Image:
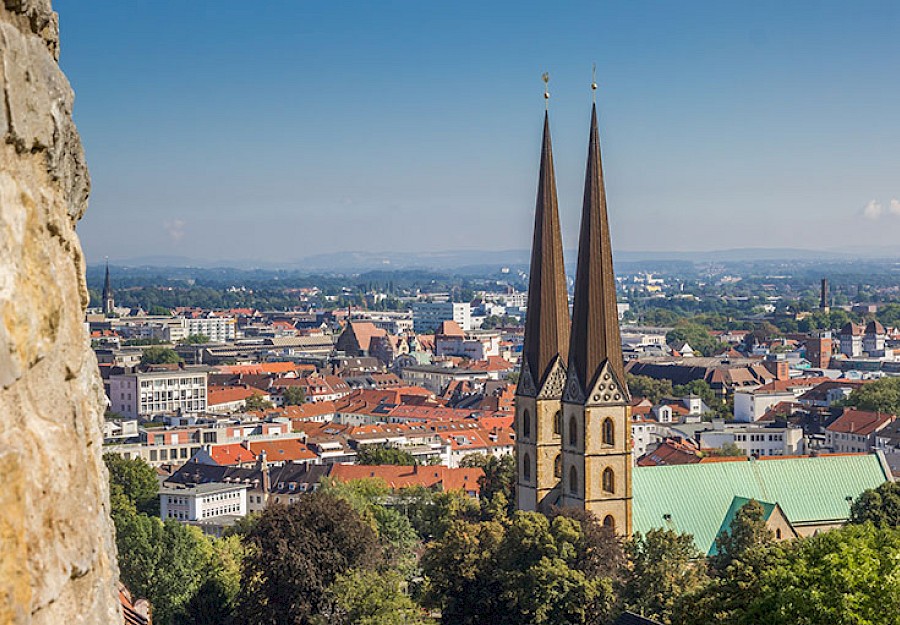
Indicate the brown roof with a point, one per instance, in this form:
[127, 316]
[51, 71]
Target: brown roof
[547, 322]
[861, 422]
[403, 476]
[595, 335]
[449, 328]
[364, 331]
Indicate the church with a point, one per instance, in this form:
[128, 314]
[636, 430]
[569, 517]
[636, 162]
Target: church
[573, 425]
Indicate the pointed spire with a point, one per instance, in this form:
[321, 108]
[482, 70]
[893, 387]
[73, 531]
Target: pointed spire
[595, 321]
[547, 321]
[107, 288]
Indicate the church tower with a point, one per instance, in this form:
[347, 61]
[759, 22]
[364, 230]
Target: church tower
[596, 444]
[545, 351]
[109, 304]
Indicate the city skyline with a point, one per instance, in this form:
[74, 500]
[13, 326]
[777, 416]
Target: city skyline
[291, 131]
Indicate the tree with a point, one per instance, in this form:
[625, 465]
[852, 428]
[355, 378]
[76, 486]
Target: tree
[295, 553]
[160, 311]
[376, 455]
[880, 506]
[697, 336]
[649, 388]
[663, 567]
[195, 339]
[214, 601]
[294, 396]
[747, 531]
[729, 450]
[135, 480]
[257, 402]
[159, 356]
[166, 562]
[881, 396]
[365, 597]
[700, 388]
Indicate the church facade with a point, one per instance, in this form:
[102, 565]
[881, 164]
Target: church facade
[573, 421]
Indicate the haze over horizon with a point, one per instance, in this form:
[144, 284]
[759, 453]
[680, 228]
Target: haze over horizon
[291, 131]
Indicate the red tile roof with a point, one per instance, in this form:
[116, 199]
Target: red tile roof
[441, 477]
[861, 422]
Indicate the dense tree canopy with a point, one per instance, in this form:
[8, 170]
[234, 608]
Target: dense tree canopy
[159, 356]
[649, 388]
[135, 480]
[295, 553]
[294, 396]
[377, 454]
[880, 506]
[881, 395]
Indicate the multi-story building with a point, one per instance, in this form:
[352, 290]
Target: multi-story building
[427, 316]
[203, 504]
[145, 393]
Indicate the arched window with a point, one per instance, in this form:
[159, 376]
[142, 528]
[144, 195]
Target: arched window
[609, 521]
[557, 466]
[557, 423]
[609, 480]
[778, 533]
[526, 424]
[526, 467]
[609, 432]
[573, 431]
[573, 480]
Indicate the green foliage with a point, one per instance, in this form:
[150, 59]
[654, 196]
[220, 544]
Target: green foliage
[143, 342]
[135, 480]
[649, 388]
[432, 513]
[166, 562]
[295, 553]
[160, 311]
[881, 395]
[730, 450]
[365, 597]
[880, 506]
[257, 402]
[159, 356]
[663, 568]
[524, 570]
[377, 454]
[700, 388]
[748, 530]
[697, 336]
[294, 396]
[195, 339]
[497, 485]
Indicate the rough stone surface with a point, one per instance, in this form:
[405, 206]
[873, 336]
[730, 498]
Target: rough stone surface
[57, 554]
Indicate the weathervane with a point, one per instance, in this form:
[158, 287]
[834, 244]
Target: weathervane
[594, 82]
[546, 78]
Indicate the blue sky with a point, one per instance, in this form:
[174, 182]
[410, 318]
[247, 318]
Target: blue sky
[274, 130]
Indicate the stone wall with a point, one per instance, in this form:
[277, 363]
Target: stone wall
[57, 554]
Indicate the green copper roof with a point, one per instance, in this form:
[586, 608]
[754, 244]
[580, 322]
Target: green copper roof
[695, 498]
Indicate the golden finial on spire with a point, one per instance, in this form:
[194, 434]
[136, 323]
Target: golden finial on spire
[594, 82]
[546, 78]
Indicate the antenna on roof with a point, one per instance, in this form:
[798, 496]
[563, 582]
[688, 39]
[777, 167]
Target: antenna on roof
[546, 78]
[594, 83]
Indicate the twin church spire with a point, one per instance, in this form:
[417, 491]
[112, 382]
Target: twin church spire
[573, 433]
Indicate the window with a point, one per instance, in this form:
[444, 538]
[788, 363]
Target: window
[609, 521]
[609, 432]
[778, 533]
[573, 480]
[573, 431]
[526, 467]
[557, 423]
[609, 480]
[557, 466]
[526, 424]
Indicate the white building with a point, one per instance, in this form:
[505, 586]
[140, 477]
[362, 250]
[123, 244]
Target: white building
[476, 345]
[203, 502]
[144, 394]
[755, 441]
[427, 316]
[750, 405]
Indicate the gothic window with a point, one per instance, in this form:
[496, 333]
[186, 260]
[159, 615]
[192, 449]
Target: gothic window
[526, 424]
[573, 431]
[573, 480]
[557, 423]
[609, 521]
[526, 467]
[609, 432]
[609, 480]
[557, 466]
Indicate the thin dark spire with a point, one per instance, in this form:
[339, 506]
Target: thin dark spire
[595, 321]
[107, 287]
[547, 321]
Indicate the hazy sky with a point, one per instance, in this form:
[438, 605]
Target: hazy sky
[275, 130]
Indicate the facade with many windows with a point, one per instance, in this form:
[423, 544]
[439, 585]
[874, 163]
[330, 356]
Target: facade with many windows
[144, 394]
[202, 502]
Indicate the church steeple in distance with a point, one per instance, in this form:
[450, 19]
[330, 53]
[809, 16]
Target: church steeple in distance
[547, 323]
[109, 304]
[595, 322]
